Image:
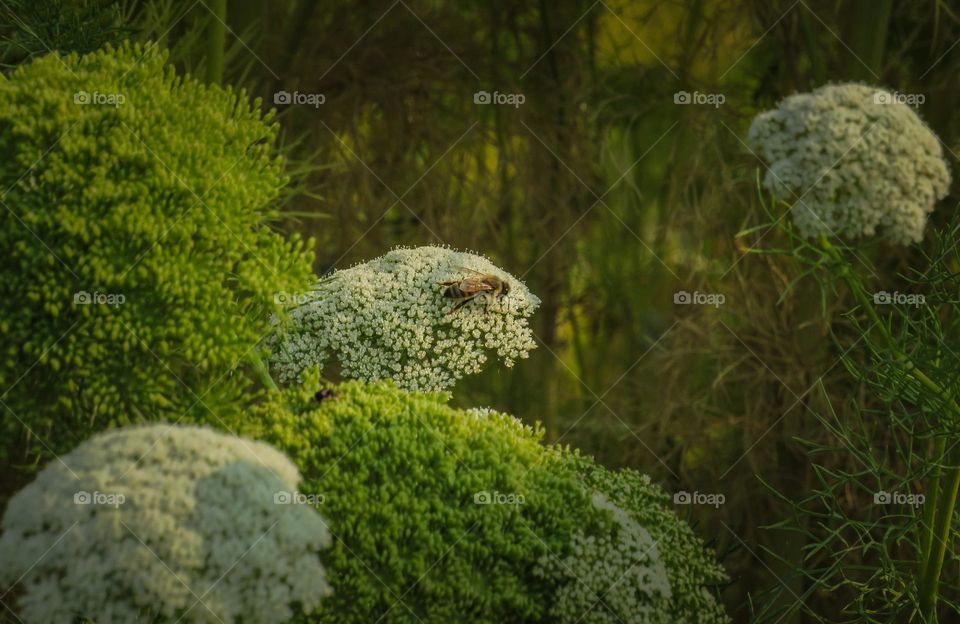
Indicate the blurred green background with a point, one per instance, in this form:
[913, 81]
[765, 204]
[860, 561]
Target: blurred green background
[620, 180]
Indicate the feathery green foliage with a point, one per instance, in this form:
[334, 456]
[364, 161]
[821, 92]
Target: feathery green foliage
[133, 232]
[878, 532]
[30, 28]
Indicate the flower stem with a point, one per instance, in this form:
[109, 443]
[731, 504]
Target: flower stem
[949, 483]
[933, 493]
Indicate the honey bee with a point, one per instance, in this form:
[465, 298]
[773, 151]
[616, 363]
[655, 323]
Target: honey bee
[469, 288]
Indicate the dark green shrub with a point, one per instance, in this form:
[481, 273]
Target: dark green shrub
[444, 515]
[139, 270]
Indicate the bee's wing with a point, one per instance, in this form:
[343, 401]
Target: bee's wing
[469, 270]
[471, 285]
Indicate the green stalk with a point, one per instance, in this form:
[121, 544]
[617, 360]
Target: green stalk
[216, 40]
[260, 368]
[930, 579]
[945, 484]
[933, 492]
[814, 52]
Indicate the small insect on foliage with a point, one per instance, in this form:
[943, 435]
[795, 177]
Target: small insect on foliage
[325, 394]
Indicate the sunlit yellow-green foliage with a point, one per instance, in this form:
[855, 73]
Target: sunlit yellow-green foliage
[644, 33]
[140, 270]
[399, 473]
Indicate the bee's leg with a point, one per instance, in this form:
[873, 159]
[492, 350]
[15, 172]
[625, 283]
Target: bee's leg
[463, 303]
[449, 283]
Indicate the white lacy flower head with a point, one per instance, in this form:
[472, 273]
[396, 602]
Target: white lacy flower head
[158, 523]
[853, 160]
[389, 319]
[610, 578]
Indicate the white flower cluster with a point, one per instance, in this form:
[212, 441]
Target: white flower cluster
[163, 523]
[692, 569]
[389, 319]
[615, 577]
[852, 159]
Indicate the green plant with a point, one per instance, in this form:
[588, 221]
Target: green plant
[692, 570]
[441, 514]
[878, 534]
[855, 162]
[30, 28]
[674, 578]
[399, 473]
[140, 267]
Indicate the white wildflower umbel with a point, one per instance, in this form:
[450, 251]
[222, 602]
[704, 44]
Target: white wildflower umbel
[159, 522]
[853, 160]
[388, 319]
[612, 577]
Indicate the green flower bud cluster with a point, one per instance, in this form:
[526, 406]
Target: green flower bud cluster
[139, 267]
[441, 514]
